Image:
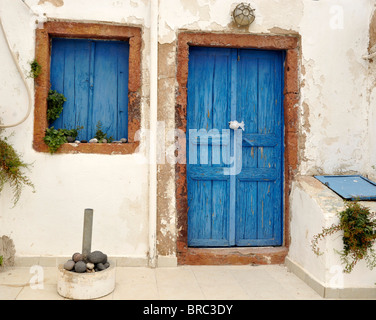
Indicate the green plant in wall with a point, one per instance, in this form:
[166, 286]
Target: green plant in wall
[100, 135]
[55, 102]
[12, 170]
[54, 138]
[1, 261]
[35, 69]
[358, 225]
[73, 133]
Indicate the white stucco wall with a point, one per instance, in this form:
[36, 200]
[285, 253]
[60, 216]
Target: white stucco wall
[314, 207]
[336, 120]
[335, 86]
[334, 76]
[49, 222]
[335, 116]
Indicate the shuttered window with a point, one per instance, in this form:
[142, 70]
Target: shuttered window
[93, 76]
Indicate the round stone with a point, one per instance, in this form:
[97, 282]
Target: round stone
[90, 265]
[123, 140]
[100, 266]
[77, 257]
[80, 267]
[97, 257]
[69, 265]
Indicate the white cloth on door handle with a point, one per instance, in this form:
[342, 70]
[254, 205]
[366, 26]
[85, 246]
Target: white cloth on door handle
[236, 125]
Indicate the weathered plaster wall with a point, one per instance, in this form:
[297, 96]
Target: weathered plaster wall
[335, 117]
[314, 207]
[334, 79]
[333, 106]
[334, 37]
[372, 97]
[50, 221]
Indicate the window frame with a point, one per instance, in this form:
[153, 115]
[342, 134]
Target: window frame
[95, 31]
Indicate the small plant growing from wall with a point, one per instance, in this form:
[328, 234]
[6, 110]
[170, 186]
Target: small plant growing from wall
[12, 170]
[100, 135]
[358, 226]
[35, 69]
[55, 102]
[54, 138]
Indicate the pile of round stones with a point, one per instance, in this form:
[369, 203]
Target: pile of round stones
[95, 261]
[95, 140]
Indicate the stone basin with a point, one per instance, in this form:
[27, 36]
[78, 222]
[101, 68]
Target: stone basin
[85, 286]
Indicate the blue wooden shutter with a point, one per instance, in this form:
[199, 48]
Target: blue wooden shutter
[93, 76]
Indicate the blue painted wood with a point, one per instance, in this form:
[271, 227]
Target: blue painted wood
[93, 76]
[208, 108]
[350, 187]
[260, 140]
[233, 114]
[259, 209]
[244, 85]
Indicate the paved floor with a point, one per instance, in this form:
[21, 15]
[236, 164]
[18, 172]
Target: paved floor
[183, 283]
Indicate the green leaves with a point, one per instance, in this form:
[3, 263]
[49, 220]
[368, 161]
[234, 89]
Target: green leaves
[35, 69]
[71, 132]
[55, 101]
[100, 135]
[11, 170]
[54, 138]
[359, 234]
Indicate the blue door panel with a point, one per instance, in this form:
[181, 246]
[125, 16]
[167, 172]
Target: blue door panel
[246, 85]
[93, 76]
[208, 188]
[260, 107]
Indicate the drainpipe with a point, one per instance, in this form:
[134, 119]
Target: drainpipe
[154, 15]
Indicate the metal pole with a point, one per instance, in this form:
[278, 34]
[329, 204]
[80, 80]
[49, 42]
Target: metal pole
[154, 7]
[88, 230]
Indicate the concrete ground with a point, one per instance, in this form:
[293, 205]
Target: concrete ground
[180, 283]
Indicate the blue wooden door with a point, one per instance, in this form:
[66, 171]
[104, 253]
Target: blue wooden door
[245, 208]
[93, 76]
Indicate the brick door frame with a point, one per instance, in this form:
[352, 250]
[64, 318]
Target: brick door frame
[238, 255]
